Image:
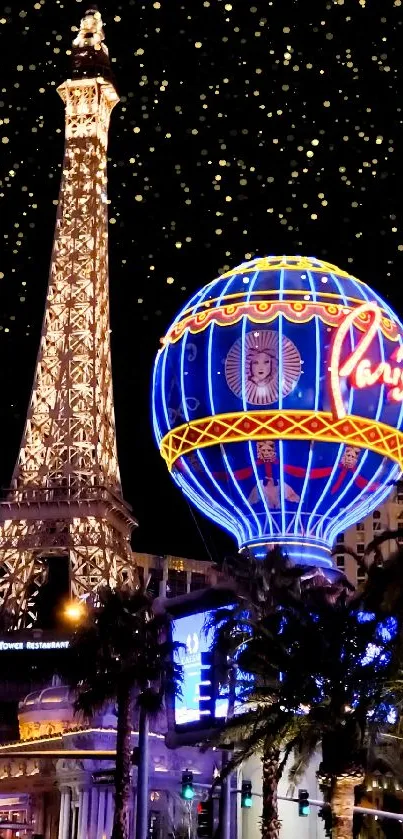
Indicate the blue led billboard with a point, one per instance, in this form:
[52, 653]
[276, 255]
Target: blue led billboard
[195, 633]
[191, 632]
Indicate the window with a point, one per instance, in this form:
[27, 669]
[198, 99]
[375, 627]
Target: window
[197, 581]
[155, 578]
[360, 548]
[360, 575]
[340, 538]
[399, 492]
[177, 583]
[376, 521]
[360, 527]
[340, 561]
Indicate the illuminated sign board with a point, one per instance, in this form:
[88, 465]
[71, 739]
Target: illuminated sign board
[20, 646]
[194, 633]
[191, 632]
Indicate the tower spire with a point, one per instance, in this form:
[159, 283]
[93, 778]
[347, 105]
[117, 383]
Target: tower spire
[90, 55]
[66, 500]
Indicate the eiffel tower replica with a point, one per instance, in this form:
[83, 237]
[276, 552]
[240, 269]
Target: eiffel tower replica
[65, 499]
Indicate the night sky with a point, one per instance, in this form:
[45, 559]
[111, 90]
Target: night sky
[243, 130]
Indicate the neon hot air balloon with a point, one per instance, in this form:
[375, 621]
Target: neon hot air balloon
[278, 403]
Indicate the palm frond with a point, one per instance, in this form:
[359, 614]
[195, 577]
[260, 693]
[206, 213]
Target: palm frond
[305, 746]
[121, 643]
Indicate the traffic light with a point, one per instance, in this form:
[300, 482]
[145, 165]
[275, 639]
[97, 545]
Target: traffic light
[187, 786]
[303, 803]
[246, 794]
[205, 819]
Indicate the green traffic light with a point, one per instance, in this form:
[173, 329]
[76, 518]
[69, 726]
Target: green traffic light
[246, 794]
[187, 791]
[303, 803]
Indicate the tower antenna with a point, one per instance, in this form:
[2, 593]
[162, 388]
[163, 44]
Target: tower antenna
[90, 55]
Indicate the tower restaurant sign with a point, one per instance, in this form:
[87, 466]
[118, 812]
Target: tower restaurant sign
[19, 646]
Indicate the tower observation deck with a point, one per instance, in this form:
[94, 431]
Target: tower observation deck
[65, 500]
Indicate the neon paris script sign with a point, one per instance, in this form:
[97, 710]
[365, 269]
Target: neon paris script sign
[358, 367]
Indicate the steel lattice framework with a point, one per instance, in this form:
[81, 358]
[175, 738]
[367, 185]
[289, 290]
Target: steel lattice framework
[66, 497]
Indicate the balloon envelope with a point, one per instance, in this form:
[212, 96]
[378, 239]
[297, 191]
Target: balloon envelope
[278, 403]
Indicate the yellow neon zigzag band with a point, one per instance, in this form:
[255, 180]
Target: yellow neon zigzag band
[282, 425]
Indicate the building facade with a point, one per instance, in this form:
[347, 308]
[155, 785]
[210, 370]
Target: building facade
[65, 795]
[387, 517]
[172, 576]
[68, 797]
[71, 796]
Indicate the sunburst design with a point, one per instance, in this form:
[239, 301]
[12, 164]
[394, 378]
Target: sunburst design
[263, 366]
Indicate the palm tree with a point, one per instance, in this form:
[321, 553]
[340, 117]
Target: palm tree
[311, 668]
[249, 637]
[122, 652]
[380, 599]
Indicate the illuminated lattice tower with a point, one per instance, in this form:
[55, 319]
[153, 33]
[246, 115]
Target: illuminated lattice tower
[66, 498]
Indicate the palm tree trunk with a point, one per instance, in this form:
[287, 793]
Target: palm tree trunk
[123, 764]
[270, 823]
[342, 804]
[225, 797]
[142, 777]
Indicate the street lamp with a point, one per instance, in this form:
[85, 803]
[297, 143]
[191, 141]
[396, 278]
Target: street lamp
[74, 611]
